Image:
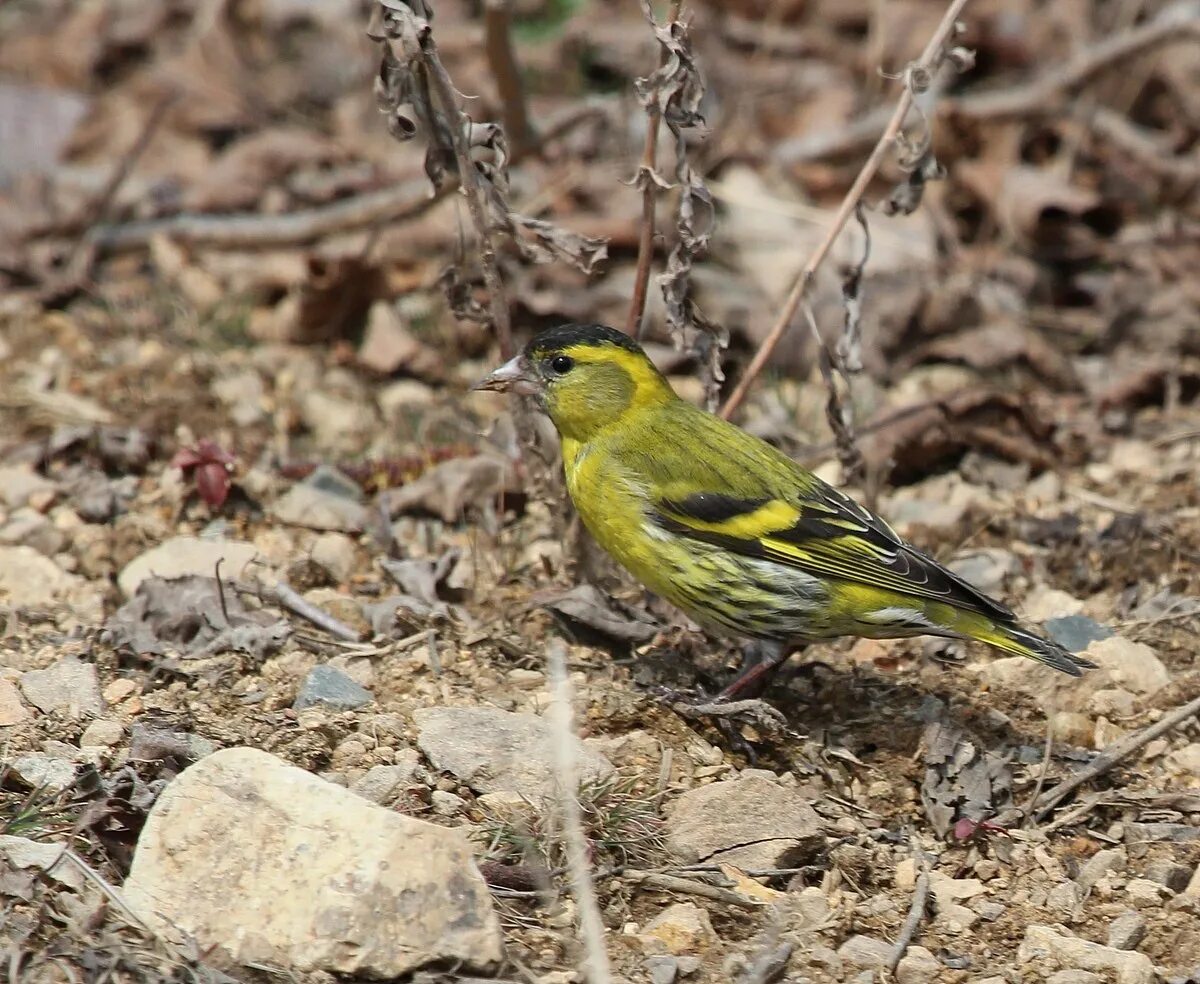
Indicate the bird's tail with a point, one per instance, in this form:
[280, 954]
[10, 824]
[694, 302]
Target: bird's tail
[1021, 642]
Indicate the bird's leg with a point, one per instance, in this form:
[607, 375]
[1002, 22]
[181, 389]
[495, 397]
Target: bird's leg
[757, 676]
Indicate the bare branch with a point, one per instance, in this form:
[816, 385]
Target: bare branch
[917, 78]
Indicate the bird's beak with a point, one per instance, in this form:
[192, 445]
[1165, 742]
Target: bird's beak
[512, 377]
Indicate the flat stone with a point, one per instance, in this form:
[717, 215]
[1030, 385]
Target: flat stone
[329, 687]
[1127, 930]
[29, 580]
[1146, 894]
[1076, 632]
[12, 708]
[683, 928]
[1074, 976]
[866, 952]
[1051, 941]
[50, 858]
[271, 864]
[69, 686]
[38, 770]
[316, 509]
[1043, 604]
[102, 733]
[753, 823]
[496, 751]
[184, 555]
[662, 969]
[1171, 874]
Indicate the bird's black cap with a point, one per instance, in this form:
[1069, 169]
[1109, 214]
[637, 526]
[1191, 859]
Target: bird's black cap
[564, 336]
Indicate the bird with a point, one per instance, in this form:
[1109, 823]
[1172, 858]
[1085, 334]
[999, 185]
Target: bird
[727, 527]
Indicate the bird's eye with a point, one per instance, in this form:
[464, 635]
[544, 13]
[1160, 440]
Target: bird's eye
[561, 364]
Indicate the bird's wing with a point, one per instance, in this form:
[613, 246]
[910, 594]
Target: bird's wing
[824, 533]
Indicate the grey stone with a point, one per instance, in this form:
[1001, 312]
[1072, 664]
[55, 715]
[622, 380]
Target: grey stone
[330, 687]
[382, 783]
[753, 823]
[37, 770]
[30, 528]
[268, 863]
[1076, 632]
[496, 751]
[1173, 875]
[866, 952]
[1052, 942]
[1127, 930]
[1100, 864]
[662, 969]
[986, 569]
[317, 509]
[69, 686]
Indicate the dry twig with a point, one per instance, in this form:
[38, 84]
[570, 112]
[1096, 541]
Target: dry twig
[690, 886]
[915, 78]
[407, 200]
[1114, 754]
[287, 598]
[916, 912]
[649, 182]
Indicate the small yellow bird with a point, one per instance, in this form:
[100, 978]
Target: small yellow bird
[727, 527]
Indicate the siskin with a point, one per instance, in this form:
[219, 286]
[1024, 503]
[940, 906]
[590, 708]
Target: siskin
[727, 527]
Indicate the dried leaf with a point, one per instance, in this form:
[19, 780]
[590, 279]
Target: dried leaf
[585, 606]
[188, 616]
[453, 487]
[962, 779]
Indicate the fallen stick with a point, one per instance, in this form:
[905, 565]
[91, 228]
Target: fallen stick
[407, 200]
[287, 598]
[1114, 753]
[688, 886]
[916, 912]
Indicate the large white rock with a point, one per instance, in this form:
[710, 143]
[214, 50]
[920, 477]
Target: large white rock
[272, 864]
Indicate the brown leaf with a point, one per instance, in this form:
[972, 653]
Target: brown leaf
[583, 606]
[388, 346]
[998, 344]
[452, 488]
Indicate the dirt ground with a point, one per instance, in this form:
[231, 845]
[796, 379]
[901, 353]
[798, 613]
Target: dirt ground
[221, 277]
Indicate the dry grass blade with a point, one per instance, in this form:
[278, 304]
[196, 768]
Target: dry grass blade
[582, 888]
[917, 75]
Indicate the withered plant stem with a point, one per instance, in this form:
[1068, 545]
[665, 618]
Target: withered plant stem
[641, 280]
[468, 178]
[497, 38]
[926, 64]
